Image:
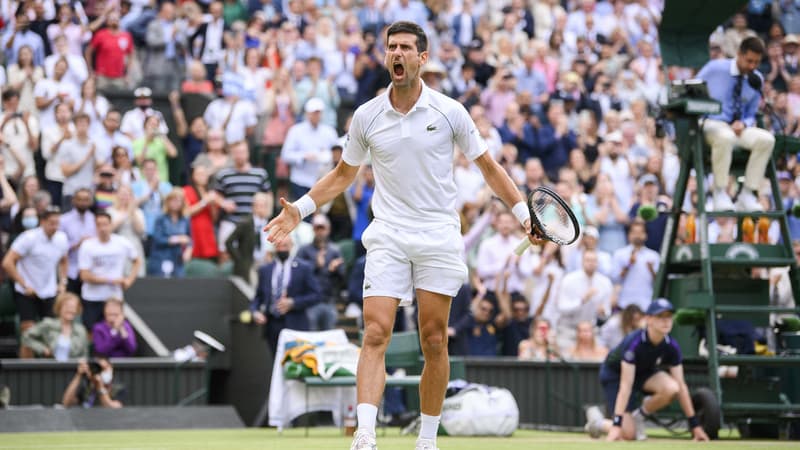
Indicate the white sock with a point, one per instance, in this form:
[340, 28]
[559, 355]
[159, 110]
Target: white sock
[367, 415]
[430, 426]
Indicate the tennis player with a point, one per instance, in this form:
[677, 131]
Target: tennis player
[414, 243]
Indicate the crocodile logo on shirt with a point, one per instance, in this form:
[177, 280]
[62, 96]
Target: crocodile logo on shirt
[431, 127]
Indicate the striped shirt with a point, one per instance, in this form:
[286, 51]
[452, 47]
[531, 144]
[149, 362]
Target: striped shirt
[240, 186]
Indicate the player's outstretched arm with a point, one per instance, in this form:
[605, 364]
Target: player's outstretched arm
[326, 189]
[502, 185]
[685, 400]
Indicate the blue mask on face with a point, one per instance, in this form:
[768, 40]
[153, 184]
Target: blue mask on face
[30, 222]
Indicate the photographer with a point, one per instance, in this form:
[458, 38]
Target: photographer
[91, 386]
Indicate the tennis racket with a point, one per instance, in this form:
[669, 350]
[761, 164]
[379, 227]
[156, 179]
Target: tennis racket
[551, 219]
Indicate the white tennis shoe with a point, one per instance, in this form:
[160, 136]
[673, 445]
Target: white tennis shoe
[594, 421]
[364, 440]
[639, 421]
[426, 444]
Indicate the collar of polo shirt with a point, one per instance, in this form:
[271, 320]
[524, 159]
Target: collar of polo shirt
[422, 102]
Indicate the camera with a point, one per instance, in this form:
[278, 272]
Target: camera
[95, 367]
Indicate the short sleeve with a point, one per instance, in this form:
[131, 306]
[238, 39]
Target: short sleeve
[22, 244]
[675, 357]
[84, 257]
[130, 250]
[629, 355]
[355, 147]
[466, 133]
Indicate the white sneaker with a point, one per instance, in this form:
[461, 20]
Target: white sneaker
[747, 202]
[426, 444]
[364, 440]
[639, 423]
[594, 422]
[722, 201]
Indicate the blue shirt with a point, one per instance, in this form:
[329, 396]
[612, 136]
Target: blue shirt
[29, 38]
[720, 75]
[646, 357]
[162, 250]
[152, 207]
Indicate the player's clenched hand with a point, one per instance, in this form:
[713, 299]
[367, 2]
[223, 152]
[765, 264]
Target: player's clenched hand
[534, 236]
[283, 224]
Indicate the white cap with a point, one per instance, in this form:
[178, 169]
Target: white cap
[314, 104]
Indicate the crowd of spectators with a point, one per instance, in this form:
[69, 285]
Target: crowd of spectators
[563, 92]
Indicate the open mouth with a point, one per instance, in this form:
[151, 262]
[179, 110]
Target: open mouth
[398, 69]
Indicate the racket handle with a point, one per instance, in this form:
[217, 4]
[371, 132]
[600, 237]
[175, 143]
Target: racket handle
[522, 246]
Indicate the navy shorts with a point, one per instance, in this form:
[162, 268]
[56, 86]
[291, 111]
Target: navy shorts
[611, 389]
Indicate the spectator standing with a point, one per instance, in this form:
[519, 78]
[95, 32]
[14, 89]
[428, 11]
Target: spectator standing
[207, 44]
[79, 225]
[495, 256]
[235, 115]
[95, 105]
[111, 54]
[21, 35]
[635, 268]
[77, 71]
[589, 242]
[315, 85]
[247, 245]
[648, 196]
[22, 77]
[75, 35]
[124, 171]
[127, 220]
[102, 261]
[60, 337]
[108, 137]
[307, 149]
[133, 120]
[172, 242]
[53, 139]
[481, 327]
[329, 269]
[286, 287]
[518, 328]
[114, 336]
[154, 145]
[214, 157]
[603, 209]
[538, 347]
[37, 262]
[237, 185]
[54, 90]
[77, 159]
[19, 136]
[203, 207]
[150, 191]
[585, 296]
[162, 62]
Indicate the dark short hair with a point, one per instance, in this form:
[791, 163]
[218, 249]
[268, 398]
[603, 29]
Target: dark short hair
[10, 94]
[412, 28]
[50, 211]
[100, 214]
[81, 116]
[752, 44]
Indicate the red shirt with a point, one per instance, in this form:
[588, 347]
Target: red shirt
[109, 52]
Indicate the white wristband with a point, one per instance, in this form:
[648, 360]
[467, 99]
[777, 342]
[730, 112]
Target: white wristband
[521, 211]
[305, 205]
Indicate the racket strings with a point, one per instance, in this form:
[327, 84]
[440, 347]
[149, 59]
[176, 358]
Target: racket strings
[553, 217]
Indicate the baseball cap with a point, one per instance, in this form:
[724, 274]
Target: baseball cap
[433, 66]
[784, 175]
[475, 44]
[314, 104]
[658, 306]
[143, 91]
[648, 178]
[791, 39]
[591, 231]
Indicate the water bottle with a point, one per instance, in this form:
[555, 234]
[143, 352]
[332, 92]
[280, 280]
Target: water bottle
[350, 421]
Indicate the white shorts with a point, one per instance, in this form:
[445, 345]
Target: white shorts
[399, 261]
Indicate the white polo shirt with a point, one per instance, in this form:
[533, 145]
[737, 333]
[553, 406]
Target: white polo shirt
[39, 260]
[105, 260]
[412, 157]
